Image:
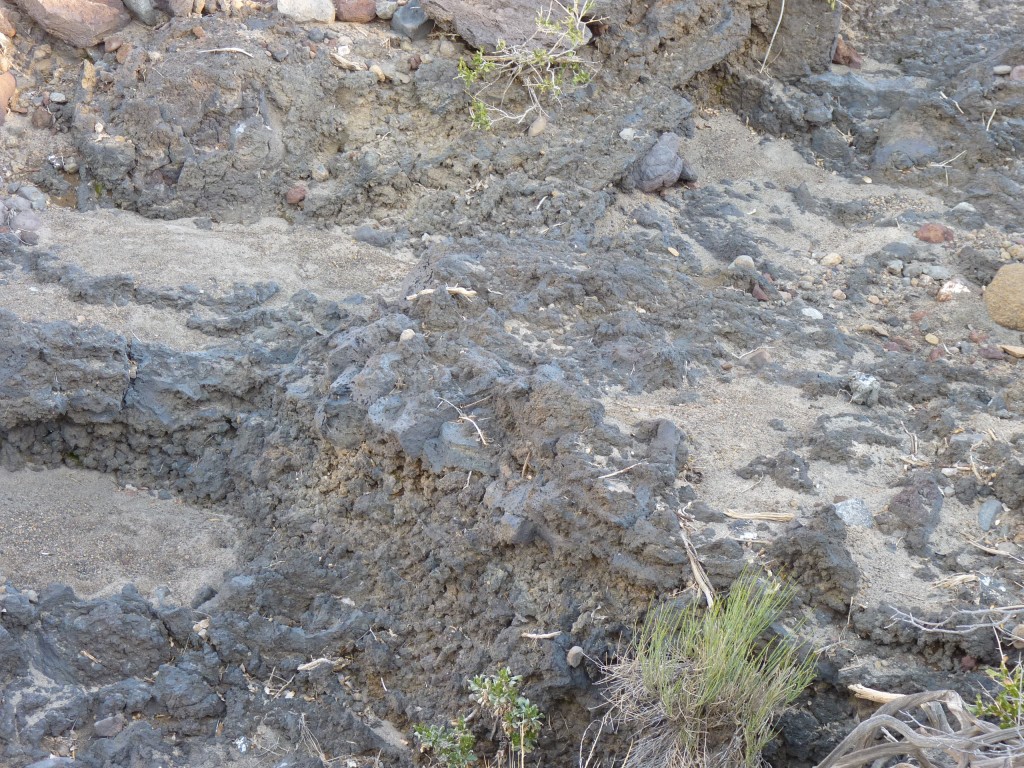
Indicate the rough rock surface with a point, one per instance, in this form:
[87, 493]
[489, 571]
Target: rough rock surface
[484, 24]
[1004, 297]
[307, 10]
[356, 11]
[501, 433]
[79, 22]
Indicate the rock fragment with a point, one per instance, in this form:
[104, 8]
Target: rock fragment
[934, 233]
[411, 20]
[8, 85]
[143, 11]
[854, 512]
[355, 11]
[307, 10]
[386, 8]
[846, 55]
[82, 23]
[989, 513]
[864, 389]
[1004, 297]
[6, 24]
[575, 656]
[660, 168]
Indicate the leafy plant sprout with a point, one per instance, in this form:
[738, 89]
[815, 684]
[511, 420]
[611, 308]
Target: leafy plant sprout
[450, 747]
[545, 65]
[515, 716]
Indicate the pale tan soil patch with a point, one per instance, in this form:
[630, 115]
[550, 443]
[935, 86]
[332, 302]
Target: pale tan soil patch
[162, 254]
[78, 528]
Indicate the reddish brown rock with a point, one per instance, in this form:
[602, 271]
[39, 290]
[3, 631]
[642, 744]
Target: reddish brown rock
[83, 23]
[846, 55]
[8, 85]
[356, 11]
[295, 195]
[935, 233]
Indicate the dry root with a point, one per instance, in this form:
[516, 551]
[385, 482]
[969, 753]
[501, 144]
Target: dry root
[917, 729]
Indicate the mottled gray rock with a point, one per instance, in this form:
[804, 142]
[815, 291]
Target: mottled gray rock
[864, 389]
[661, 167]
[483, 23]
[806, 39]
[35, 197]
[854, 512]
[411, 20]
[143, 11]
[386, 9]
[913, 513]
[989, 513]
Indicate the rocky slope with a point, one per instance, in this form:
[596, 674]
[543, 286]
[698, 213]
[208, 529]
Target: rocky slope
[463, 395]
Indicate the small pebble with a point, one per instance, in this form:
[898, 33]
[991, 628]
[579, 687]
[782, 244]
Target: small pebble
[575, 656]
[1001, 69]
[26, 221]
[1017, 73]
[407, 335]
[831, 260]
[989, 513]
[742, 263]
[320, 172]
[58, 98]
[838, 295]
[894, 267]
[295, 195]
[812, 313]
[931, 338]
[537, 126]
[872, 299]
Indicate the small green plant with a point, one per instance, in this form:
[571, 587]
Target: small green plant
[515, 716]
[1006, 705]
[518, 718]
[700, 688]
[544, 65]
[449, 747]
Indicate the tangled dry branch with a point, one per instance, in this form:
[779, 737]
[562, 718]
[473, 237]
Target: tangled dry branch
[897, 731]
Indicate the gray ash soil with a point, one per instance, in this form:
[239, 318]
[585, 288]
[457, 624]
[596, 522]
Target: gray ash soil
[450, 412]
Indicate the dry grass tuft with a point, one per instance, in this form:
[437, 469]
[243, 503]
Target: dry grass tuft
[699, 689]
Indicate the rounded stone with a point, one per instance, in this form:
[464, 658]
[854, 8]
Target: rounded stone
[1001, 69]
[575, 656]
[27, 221]
[1004, 297]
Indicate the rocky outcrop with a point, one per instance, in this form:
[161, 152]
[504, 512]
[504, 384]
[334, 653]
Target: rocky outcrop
[82, 23]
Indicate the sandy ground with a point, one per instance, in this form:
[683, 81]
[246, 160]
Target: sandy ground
[79, 528]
